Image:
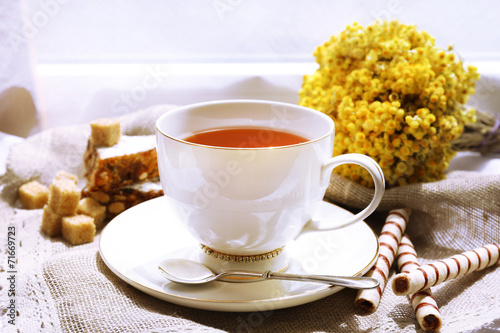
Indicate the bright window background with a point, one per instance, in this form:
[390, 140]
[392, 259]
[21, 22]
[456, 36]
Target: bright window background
[86, 59]
[240, 30]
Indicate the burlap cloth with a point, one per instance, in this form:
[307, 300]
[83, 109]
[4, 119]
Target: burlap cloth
[64, 288]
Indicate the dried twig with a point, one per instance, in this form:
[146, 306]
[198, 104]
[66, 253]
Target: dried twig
[482, 136]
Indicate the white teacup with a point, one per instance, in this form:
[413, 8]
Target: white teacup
[250, 202]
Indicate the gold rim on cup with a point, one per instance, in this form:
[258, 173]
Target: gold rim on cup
[241, 258]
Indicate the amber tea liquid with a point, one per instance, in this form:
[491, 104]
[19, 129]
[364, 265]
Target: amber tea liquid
[245, 137]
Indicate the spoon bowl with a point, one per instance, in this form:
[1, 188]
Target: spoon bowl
[191, 272]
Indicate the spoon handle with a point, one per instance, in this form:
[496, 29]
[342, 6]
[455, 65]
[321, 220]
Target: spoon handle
[355, 282]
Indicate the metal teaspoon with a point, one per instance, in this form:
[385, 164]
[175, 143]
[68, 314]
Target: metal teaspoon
[191, 272]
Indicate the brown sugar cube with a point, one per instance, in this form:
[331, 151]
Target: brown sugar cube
[78, 229]
[64, 197]
[61, 175]
[33, 195]
[92, 208]
[51, 222]
[105, 132]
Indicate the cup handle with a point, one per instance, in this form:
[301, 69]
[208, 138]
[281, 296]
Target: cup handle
[378, 178]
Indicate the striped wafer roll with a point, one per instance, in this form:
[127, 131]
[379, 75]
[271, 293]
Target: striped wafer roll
[392, 231]
[444, 270]
[424, 304]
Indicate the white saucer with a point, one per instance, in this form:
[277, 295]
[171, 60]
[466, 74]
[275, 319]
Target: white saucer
[134, 242]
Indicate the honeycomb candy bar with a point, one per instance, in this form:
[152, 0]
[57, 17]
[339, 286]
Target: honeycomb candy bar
[125, 197]
[130, 161]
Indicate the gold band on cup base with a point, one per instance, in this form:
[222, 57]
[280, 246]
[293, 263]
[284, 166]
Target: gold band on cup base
[238, 258]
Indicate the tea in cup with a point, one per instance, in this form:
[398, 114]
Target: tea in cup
[247, 175]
